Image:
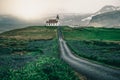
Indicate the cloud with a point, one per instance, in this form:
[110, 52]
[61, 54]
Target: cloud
[53, 6]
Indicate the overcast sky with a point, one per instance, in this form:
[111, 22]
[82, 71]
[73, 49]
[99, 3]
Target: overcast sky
[34, 8]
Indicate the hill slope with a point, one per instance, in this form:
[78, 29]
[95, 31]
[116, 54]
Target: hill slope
[89, 33]
[25, 55]
[31, 33]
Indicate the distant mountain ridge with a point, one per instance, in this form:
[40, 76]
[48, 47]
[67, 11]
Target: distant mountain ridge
[106, 16]
[108, 19]
[8, 22]
[105, 9]
[108, 8]
[73, 19]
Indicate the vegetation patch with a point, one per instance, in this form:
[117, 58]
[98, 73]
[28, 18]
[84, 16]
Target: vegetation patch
[90, 33]
[31, 33]
[107, 53]
[39, 61]
[45, 68]
[98, 44]
[32, 59]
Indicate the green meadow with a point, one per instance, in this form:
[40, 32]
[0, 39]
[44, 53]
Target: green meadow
[31, 33]
[91, 33]
[98, 44]
[32, 54]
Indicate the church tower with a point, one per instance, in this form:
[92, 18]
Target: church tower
[57, 17]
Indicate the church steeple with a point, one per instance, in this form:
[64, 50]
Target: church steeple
[57, 17]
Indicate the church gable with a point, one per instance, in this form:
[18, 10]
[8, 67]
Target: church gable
[53, 22]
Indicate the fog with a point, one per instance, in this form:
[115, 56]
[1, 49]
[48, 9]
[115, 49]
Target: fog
[30, 9]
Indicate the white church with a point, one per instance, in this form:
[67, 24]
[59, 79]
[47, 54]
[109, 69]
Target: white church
[53, 22]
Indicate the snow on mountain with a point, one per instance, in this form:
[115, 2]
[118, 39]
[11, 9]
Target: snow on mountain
[88, 18]
[108, 19]
[105, 9]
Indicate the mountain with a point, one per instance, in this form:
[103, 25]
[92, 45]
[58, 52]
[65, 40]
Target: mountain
[105, 9]
[108, 8]
[103, 17]
[108, 19]
[8, 22]
[73, 19]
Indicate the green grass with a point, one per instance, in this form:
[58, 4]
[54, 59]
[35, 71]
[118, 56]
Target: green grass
[90, 33]
[98, 44]
[32, 59]
[38, 60]
[45, 68]
[31, 33]
[106, 53]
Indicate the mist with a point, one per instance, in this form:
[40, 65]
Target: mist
[35, 8]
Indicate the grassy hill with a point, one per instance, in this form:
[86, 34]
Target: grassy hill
[90, 33]
[32, 54]
[97, 44]
[31, 33]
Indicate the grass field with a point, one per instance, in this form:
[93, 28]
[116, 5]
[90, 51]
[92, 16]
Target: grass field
[90, 33]
[32, 59]
[98, 44]
[107, 53]
[31, 33]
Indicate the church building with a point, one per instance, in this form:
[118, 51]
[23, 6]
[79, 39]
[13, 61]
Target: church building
[53, 22]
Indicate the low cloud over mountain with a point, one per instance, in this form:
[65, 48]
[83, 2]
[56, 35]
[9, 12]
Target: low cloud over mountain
[108, 16]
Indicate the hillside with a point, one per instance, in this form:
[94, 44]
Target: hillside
[90, 33]
[98, 44]
[8, 22]
[108, 8]
[32, 54]
[31, 33]
[104, 10]
[108, 19]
